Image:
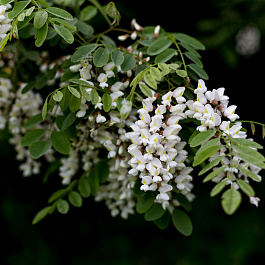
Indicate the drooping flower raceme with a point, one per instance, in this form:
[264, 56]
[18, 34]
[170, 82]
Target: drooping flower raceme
[157, 148]
[212, 109]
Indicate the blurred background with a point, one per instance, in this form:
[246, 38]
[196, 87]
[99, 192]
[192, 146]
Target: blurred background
[233, 32]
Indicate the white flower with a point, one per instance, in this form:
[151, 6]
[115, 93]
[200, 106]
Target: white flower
[254, 200]
[201, 87]
[100, 118]
[145, 117]
[117, 86]
[166, 99]
[156, 31]
[85, 73]
[177, 94]
[156, 123]
[74, 68]
[230, 113]
[147, 105]
[160, 110]
[102, 79]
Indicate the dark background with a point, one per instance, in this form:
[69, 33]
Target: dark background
[90, 235]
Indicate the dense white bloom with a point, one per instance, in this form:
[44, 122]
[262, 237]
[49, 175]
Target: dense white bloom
[157, 149]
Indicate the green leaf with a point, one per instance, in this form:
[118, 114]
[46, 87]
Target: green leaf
[56, 195]
[64, 103]
[83, 52]
[245, 187]
[199, 71]
[165, 55]
[40, 19]
[163, 222]
[249, 173]
[164, 68]
[117, 57]
[206, 153]
[33, 121]
[64, 23]
[214, 173]
[80, 82]
[57, 96]
[202, 137]
[107, 102]
[64, 33]
[190, 49]
[150, 81]
[60, 143]
[101, 57]
[145, 90]
[128, 63]
[212, 164]
[39, 148]
[18, 8]
[88, 12]
[145, 202]
[209, 143]
[231, 200]
[189, 40]
[126, 109]
[32, 137]
[44, 3]
[41, 214]
[245, 142]
[74, 91]
[69, 120]
[158, 46]
[182, 222]
[58, 12]
[181, 73]
[84, 28]
[155, 73]
[194, 58]
[218, 188]
[155, 212]
[45, 109]
[62, 206]
[102, 169]
[41, 34]
[93, 180]
[94, 96]
[253, 129]
[51, 73]
[3, 42]
[84, 187]
[75, 199]
[195, 132]
[249, 152]
[85, 93]
[184, 202]
[251, 158]
[5, 2]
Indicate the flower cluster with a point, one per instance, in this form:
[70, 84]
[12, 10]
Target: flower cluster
[211, 108]
[157, 148]
[5, 22]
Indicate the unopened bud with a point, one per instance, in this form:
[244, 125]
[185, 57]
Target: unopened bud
[156, 31]
[123, 37]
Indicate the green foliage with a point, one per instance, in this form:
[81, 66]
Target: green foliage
[182, 222]
[231, 200]
[156, 63]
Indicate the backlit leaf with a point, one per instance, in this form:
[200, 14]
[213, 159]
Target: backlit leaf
[182, 222]
[231, 200]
